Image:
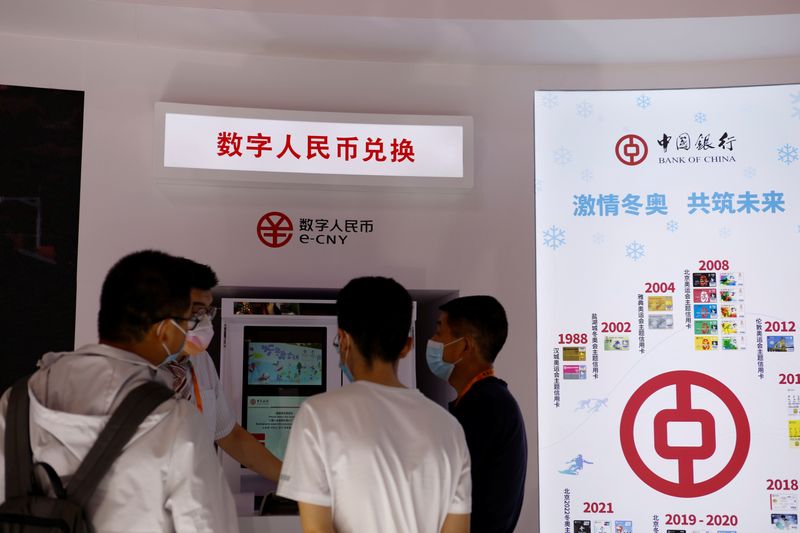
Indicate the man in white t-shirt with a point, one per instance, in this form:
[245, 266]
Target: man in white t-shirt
[375, 456]
[195, 379]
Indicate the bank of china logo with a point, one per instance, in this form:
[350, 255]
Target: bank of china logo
[631, 149]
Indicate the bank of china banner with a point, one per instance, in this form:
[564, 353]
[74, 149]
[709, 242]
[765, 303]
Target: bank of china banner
[668, 307]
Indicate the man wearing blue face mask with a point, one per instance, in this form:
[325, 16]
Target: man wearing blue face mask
[167, 477]
[374, 456]
[195, 379]
[470, 332]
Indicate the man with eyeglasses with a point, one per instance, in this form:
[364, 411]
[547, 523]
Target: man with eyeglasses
[167, 477]
[195, 379]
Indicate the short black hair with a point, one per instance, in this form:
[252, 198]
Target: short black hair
[140, 290]
[482, 317]
[200, 276]
[376, 312]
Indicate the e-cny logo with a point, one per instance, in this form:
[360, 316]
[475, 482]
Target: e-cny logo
[631, 149]
[275, 229]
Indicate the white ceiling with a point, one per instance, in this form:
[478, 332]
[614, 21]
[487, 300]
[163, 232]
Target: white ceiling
[431, 31]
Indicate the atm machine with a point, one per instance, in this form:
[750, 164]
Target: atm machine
[275, 353]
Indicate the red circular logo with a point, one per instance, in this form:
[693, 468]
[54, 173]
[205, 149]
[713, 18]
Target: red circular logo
[275, 229]
[686, 487]
[631, 149]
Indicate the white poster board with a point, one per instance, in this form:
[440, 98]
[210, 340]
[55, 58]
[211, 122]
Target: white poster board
[667, 225]
[261, 147]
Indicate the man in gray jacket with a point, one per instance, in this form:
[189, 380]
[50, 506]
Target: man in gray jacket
[167, 477]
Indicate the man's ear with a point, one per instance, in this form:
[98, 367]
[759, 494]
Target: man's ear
[158, 331]
[468, 344]
[406, 347]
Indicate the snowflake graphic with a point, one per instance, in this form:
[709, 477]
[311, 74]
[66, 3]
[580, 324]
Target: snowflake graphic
[672, 226]
[587, 175]
[562, 156]
[700, 117]
[788, 154]
[796, 112]
[554, 237]
[634, 250]
[643, 101]
[798, 228]
[584, 109]
[725, 232]
[599, 238]
[750, 173]
[549, 100]
[795, 98]
[538, 182]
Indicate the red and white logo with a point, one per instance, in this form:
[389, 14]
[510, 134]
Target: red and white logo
[702, 468]
[275, 229]
[631, 149]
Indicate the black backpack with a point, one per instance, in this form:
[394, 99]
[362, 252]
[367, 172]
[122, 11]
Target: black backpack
[28, 508]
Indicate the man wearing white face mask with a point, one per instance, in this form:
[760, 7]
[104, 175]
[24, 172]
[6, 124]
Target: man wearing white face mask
[470, 333]
[195, 378]
[167, 477]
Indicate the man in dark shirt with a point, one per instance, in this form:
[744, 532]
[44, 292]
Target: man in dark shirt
[470, 332]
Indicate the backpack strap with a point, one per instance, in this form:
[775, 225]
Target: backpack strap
[123, 424]
[55, 481]
[19, 458]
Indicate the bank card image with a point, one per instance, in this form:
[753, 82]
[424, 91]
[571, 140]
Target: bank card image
[735, 342]
[705, 311]
[582, 526]
[616, 344]
[729, 311]
[705, 296]
[783, 502]
[659, 303]
[730, 279]
[703, 343]
[794, 433]
[623, 526]
[660, 321]
[793, 403]
[602, 526]
[731, 327]
[573, 353]
[704, 279]
[784, 521]
[574, 371]
[780, 343]
[731, 295]
[705, 327]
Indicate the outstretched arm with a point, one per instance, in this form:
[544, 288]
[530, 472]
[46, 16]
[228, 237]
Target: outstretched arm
[244, 447]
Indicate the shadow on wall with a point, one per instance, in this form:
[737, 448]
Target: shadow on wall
[40, 171]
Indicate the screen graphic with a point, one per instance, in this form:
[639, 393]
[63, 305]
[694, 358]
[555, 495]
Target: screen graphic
[282, 366]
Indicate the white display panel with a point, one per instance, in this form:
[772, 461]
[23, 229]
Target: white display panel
[667, 309]
[211, 144]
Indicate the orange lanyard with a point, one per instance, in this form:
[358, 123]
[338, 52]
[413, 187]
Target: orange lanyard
[483, 375]
[198, 400]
